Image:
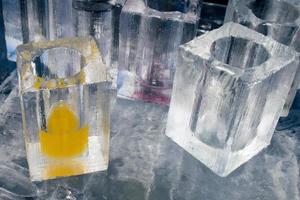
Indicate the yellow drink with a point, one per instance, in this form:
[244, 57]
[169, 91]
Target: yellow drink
[64, 138]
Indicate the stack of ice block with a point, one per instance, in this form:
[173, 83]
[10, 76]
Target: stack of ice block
[150, 34]
[229, 90]
[274, 18]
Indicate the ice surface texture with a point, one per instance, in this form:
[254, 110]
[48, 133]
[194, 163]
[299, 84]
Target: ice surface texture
[150, 34]
[147, 165]
[64, 80]
[229, 90]
[277, 19]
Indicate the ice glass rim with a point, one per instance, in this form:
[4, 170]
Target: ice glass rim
[278, 57]
[90, 56]
[140, 7]
[242, 8]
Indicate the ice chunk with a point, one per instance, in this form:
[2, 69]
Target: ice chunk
[150, 34]
[229, 90]
[65, 102]
[277, 19]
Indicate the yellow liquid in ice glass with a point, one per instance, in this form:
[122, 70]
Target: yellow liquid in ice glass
[68, 168]
[64, 137]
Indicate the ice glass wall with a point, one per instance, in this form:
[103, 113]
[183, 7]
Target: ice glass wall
[277, 19]
[150, 34]
[65, 100]
[229, 90]
[99, 19]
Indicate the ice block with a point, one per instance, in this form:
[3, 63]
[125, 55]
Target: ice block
[65, 94]
[229, 89]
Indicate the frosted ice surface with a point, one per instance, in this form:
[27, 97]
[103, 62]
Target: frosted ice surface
[145, 164]
[65, 193]
[14, 182]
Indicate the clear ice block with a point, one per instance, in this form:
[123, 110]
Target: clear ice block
[65, 95]
[277, 19]
[150, 34]
[229, 89]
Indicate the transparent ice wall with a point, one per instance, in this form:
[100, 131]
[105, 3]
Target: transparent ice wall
[65, 96]
[100, 20]
[229, 90]
[23, 22]
[277, 19]
[34, 20]
[150, 34]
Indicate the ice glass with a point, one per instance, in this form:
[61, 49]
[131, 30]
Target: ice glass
[229, 90]
[99, 19]
[150, 34]
[277, 19]
[65, 97]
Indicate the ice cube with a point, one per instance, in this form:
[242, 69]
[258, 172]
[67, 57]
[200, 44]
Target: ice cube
[65, 98]
[230, 87]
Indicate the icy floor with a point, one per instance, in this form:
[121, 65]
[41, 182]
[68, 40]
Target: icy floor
[145, 164]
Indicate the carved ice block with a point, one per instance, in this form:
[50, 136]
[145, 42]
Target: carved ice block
[229, 89]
